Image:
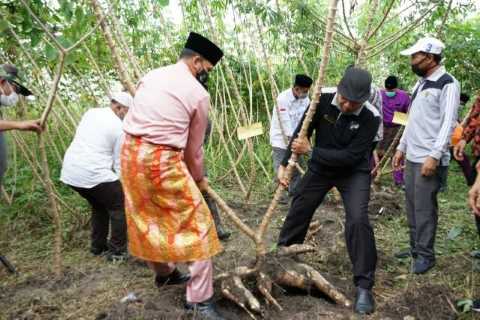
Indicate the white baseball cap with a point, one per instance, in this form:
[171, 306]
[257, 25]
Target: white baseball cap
[124, 98]
[427, 44]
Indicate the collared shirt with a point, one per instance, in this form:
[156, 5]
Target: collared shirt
[398, 103]
[343, 141]
[291, 111]
[432, 118]
[170, 108]
[93, 157]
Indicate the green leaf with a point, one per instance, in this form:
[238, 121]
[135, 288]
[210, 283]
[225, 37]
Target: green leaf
[465, 304]
[64, 42]
[454, 233]
[67, 9]
[3, 25]
[79, 15]
[51, 53]
[163, 3]
[35, 37]
[273, 247]
[70, 59]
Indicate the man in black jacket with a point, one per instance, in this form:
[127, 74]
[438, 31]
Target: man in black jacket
[345, 124]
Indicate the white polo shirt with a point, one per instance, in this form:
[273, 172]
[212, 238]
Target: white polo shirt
[291, 111]
[93, 157]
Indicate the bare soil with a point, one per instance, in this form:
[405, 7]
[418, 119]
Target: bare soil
[93, 288]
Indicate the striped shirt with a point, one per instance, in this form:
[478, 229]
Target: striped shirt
[432, 118]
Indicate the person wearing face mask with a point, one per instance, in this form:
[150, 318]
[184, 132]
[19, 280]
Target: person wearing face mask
[345, 125]
[286, 114]
[91, 167]
[425, 146]
[163, 174]
[10, 88]
[393, 100]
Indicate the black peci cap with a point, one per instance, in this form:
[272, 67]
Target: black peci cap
[303, 80]
[204, 47]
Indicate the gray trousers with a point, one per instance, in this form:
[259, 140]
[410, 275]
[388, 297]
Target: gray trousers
[422, 208]
[3, 156]
[278, 155]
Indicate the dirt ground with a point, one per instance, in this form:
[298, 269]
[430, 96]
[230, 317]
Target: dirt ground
[93, 288]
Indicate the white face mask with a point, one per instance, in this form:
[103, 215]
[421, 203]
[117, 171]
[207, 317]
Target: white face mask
[10, 100]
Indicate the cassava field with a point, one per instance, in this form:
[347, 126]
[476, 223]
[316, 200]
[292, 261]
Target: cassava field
[73, 53]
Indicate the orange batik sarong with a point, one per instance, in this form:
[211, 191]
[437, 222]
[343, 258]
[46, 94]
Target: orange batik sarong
[167, 217]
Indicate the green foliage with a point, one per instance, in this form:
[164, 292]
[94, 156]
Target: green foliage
[51, 53]
[462, 57]
[290, 30]
[465, 304]
[454, 233]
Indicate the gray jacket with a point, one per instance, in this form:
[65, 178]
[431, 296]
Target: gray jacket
[432, 118]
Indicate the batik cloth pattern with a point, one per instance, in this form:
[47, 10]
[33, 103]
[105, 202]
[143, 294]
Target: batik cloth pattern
[167, 217]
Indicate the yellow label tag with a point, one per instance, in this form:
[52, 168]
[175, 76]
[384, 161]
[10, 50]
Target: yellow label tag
[252, 130]
[400, 118]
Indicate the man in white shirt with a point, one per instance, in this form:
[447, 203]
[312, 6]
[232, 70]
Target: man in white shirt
[287, 113]
[91, 167]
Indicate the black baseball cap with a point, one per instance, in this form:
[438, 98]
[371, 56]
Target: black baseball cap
[355, 85]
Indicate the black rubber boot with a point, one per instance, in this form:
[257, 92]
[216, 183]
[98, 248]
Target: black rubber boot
[364, 302]
[221, 232]
[403, 254]
[99, 251]
[476, 305]
[176, 277]
[115, 254]
[422, 265]
[205, 310]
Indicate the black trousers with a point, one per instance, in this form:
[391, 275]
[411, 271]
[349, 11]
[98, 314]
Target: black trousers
[477, 219]
[355, 192]
[108, 211]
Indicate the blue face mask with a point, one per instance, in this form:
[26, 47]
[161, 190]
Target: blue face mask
[390, 94]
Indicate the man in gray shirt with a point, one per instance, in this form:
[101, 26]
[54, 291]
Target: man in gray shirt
[425, 142]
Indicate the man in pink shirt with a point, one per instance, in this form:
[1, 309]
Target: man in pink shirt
[163, 174]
